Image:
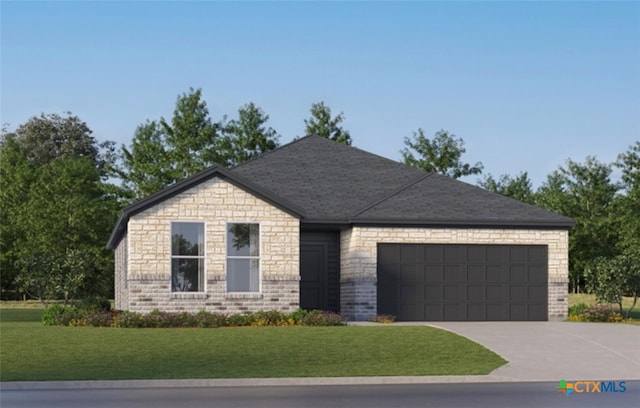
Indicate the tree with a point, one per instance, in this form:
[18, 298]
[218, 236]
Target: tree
[442, 154]
[163, 152]
[16, 176]
[585, 193]
[247, 137]
[612, 278]
[627, 204]
[50, 136]
[322, 124]
[518, 187]
[57, 210]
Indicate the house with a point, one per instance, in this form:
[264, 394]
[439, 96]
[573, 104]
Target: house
[320, 225]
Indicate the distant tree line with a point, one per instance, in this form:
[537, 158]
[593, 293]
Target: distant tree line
[61, 190]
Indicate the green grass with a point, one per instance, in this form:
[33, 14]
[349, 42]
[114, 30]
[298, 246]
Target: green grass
[31, 351]
[576, 298]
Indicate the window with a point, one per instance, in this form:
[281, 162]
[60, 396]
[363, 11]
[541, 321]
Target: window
[187, 257]
[243, 257]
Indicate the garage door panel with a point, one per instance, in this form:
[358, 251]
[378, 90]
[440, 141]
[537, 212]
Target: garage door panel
[497, 273]
[537, 254]
[433, 293]
[454, 293]
[537, 273]
[537, 293]
[408, 273]
[476, 273]
[463, 282]
[497, 254]
[454, 254]
[452, 273]
[454, 312]
[411, 312]
[518, 254]
[517, 292]
[408, 254]
[476, 254]
[537, 312]
[476, 312]
[433, 312]
[434, 273]
[476, 293]
[518, 273]
[517, 311]
[497, 293]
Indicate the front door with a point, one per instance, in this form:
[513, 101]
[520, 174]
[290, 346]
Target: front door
[319, 271]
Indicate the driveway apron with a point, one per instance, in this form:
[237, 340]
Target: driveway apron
[550, 351]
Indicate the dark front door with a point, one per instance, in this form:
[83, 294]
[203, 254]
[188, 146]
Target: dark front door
[319, 271]
[462, 282]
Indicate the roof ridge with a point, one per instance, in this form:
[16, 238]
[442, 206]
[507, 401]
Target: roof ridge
[261, 155]
[394, 193]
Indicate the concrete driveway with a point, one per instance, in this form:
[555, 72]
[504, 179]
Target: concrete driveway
[550, 351]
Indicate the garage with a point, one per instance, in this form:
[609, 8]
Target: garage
[462, 282]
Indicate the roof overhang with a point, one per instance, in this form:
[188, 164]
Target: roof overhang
[213, 172]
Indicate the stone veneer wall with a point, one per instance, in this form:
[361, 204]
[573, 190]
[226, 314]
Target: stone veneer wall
[121, 293]
[358, 260]
[215, 202]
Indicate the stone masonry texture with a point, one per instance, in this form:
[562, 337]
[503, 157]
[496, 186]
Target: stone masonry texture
[143, 266]
[358, 257]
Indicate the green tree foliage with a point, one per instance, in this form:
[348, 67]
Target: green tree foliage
[612, 278]
[247, 136]
[322, 124]
[627, 205]
[584, 192]
[59, 212]
[50, 136]
[518, 187]
[442, 154]
[163, 152]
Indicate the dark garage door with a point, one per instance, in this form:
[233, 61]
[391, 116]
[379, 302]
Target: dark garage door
[442, 282]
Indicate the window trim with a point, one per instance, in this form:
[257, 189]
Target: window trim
[203, 256]
[227, 257]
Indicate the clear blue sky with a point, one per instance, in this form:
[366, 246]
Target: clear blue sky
[526, 85]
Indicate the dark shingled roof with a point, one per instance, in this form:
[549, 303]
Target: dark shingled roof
[324, 182]
[334, 182]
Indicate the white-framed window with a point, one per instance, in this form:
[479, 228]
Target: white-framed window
[243, 257]
[187, 257]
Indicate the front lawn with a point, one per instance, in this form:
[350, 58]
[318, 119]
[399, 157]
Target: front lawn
[31, 351]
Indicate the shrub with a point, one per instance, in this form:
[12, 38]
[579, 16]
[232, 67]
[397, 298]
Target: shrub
[59, 315]
[93, 304]
[129, 320]
[239, 320]
[598, 313]
[323, 318]
[206, 319]
[271, 318]
[298, 315]
[386, 319]
[578, 309]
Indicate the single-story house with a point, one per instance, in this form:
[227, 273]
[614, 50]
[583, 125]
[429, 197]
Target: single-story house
[319, 225]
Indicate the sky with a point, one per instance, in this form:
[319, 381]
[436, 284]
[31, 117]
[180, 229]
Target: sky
[526, 85]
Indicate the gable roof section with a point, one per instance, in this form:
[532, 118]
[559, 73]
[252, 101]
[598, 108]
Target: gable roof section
[192, 181]
[331, 181]
[340, 184]
[439, 200]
